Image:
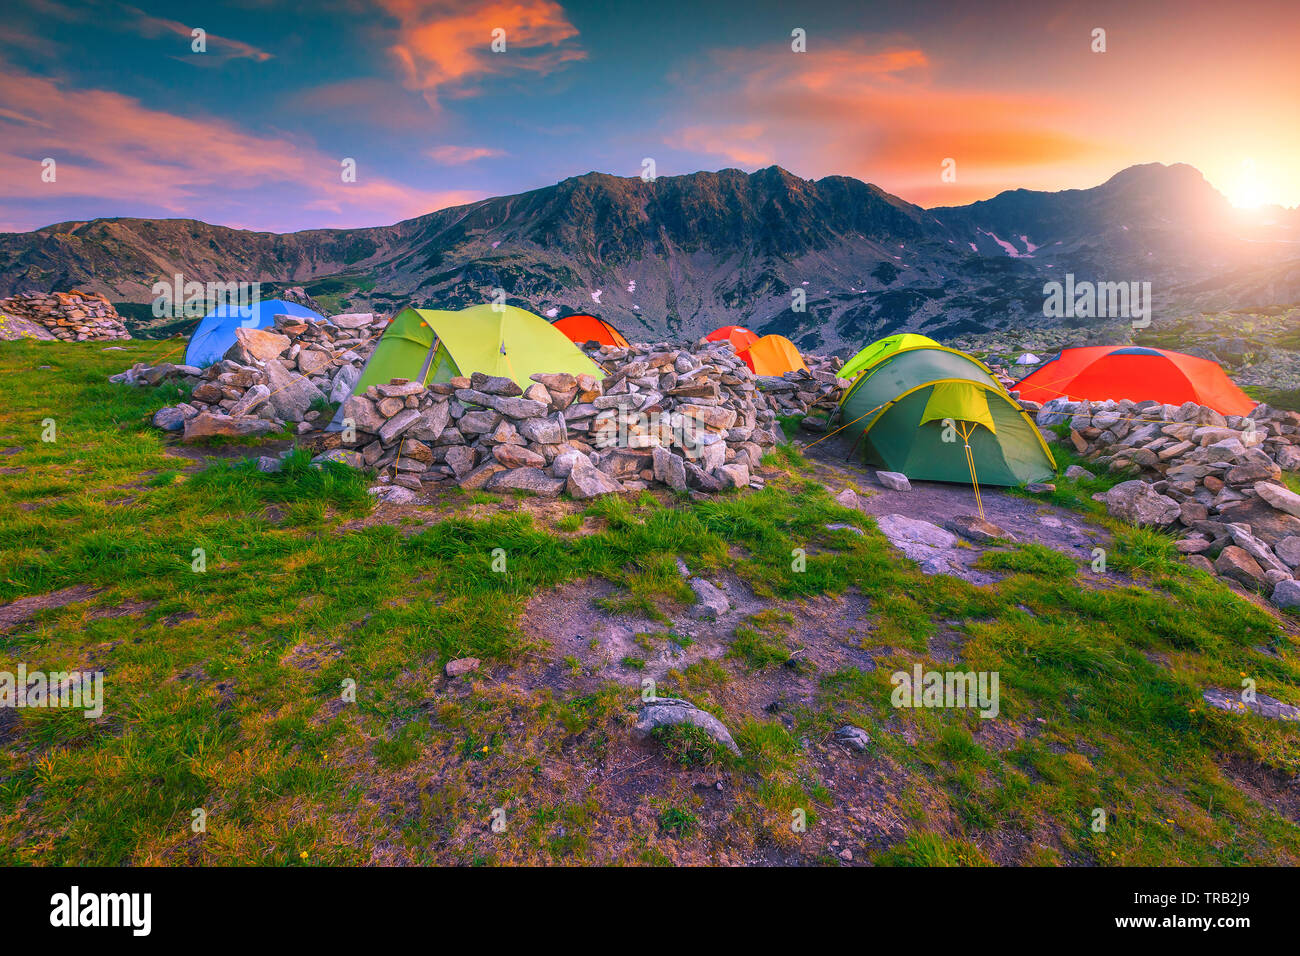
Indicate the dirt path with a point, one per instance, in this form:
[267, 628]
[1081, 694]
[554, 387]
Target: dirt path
[936, 502]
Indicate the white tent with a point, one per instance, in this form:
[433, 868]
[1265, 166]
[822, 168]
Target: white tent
[1029, 358]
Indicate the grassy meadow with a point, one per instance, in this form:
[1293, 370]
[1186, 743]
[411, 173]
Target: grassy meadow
[273, 650]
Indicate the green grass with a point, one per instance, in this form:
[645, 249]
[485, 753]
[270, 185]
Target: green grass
[225, 688]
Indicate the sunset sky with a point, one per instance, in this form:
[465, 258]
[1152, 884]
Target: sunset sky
[252, 132]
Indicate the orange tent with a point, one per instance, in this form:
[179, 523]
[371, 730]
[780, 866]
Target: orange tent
[739, 336]
[1137, 373]
[773, 355]
[582, 328]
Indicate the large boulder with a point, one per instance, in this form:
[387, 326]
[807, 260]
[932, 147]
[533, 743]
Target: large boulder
[258, 345]
[1283, 499]
[1137, 502]
[216, 425]
[533, 480]
[587, 481]
[292, 394]
[1236, 565]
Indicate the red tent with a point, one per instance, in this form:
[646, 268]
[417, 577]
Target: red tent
[1134, 372]
[582, 328]
[739, 336]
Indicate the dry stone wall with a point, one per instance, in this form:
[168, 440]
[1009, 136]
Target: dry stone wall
[1218, 481]
[67, 316]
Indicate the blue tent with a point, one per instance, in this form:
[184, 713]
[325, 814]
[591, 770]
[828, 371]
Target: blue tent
[216, 333]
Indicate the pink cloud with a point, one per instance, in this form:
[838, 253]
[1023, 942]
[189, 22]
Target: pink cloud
[458, 155]
[107, 145]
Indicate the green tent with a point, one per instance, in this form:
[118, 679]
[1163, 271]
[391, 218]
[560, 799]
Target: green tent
[878, 349]
[427, 345]
[917, 410]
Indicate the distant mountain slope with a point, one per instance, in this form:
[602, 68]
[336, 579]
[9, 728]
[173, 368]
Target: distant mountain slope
[684, 254]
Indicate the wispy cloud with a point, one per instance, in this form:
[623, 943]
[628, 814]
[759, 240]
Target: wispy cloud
[458, 155]
[118, 16]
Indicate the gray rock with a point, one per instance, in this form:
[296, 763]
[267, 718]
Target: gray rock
[1288, 549]
[710, 602]
[1283, 499]
[363, 414]
[533, 480]
[1262, 705]
[460, 459]
[399, 423]
[433, 422]
[669, 711]
[291, 394]
[585, 481]
[345, 380]
[1137, 502]
[352, 320]
[977, 529]
[1286, 593]
[855, 738]
[171, 419]
[394, 494]
[893, 480]
[252, 399]
[918, 540]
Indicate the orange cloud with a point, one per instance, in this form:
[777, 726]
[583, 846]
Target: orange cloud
[444, 44]
[880, 116]
[107, 145]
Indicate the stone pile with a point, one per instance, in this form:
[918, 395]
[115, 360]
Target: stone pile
[67, 316]
[268, 378]
[1216, 478]
[687, 419]
[795, 393]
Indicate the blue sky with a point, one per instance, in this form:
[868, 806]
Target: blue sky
[251, 133]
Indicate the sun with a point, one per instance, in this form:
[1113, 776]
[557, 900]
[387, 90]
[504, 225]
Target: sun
[1246, 191]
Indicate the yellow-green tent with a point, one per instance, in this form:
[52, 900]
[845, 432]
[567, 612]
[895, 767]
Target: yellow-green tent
[435, 345]
[878, 349]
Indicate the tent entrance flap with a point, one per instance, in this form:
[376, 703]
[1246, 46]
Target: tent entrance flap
[960, 401]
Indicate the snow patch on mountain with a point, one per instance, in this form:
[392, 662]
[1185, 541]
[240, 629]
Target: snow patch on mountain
[1008, 248]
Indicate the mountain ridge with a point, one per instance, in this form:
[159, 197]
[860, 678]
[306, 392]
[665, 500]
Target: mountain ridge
[679, 255]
